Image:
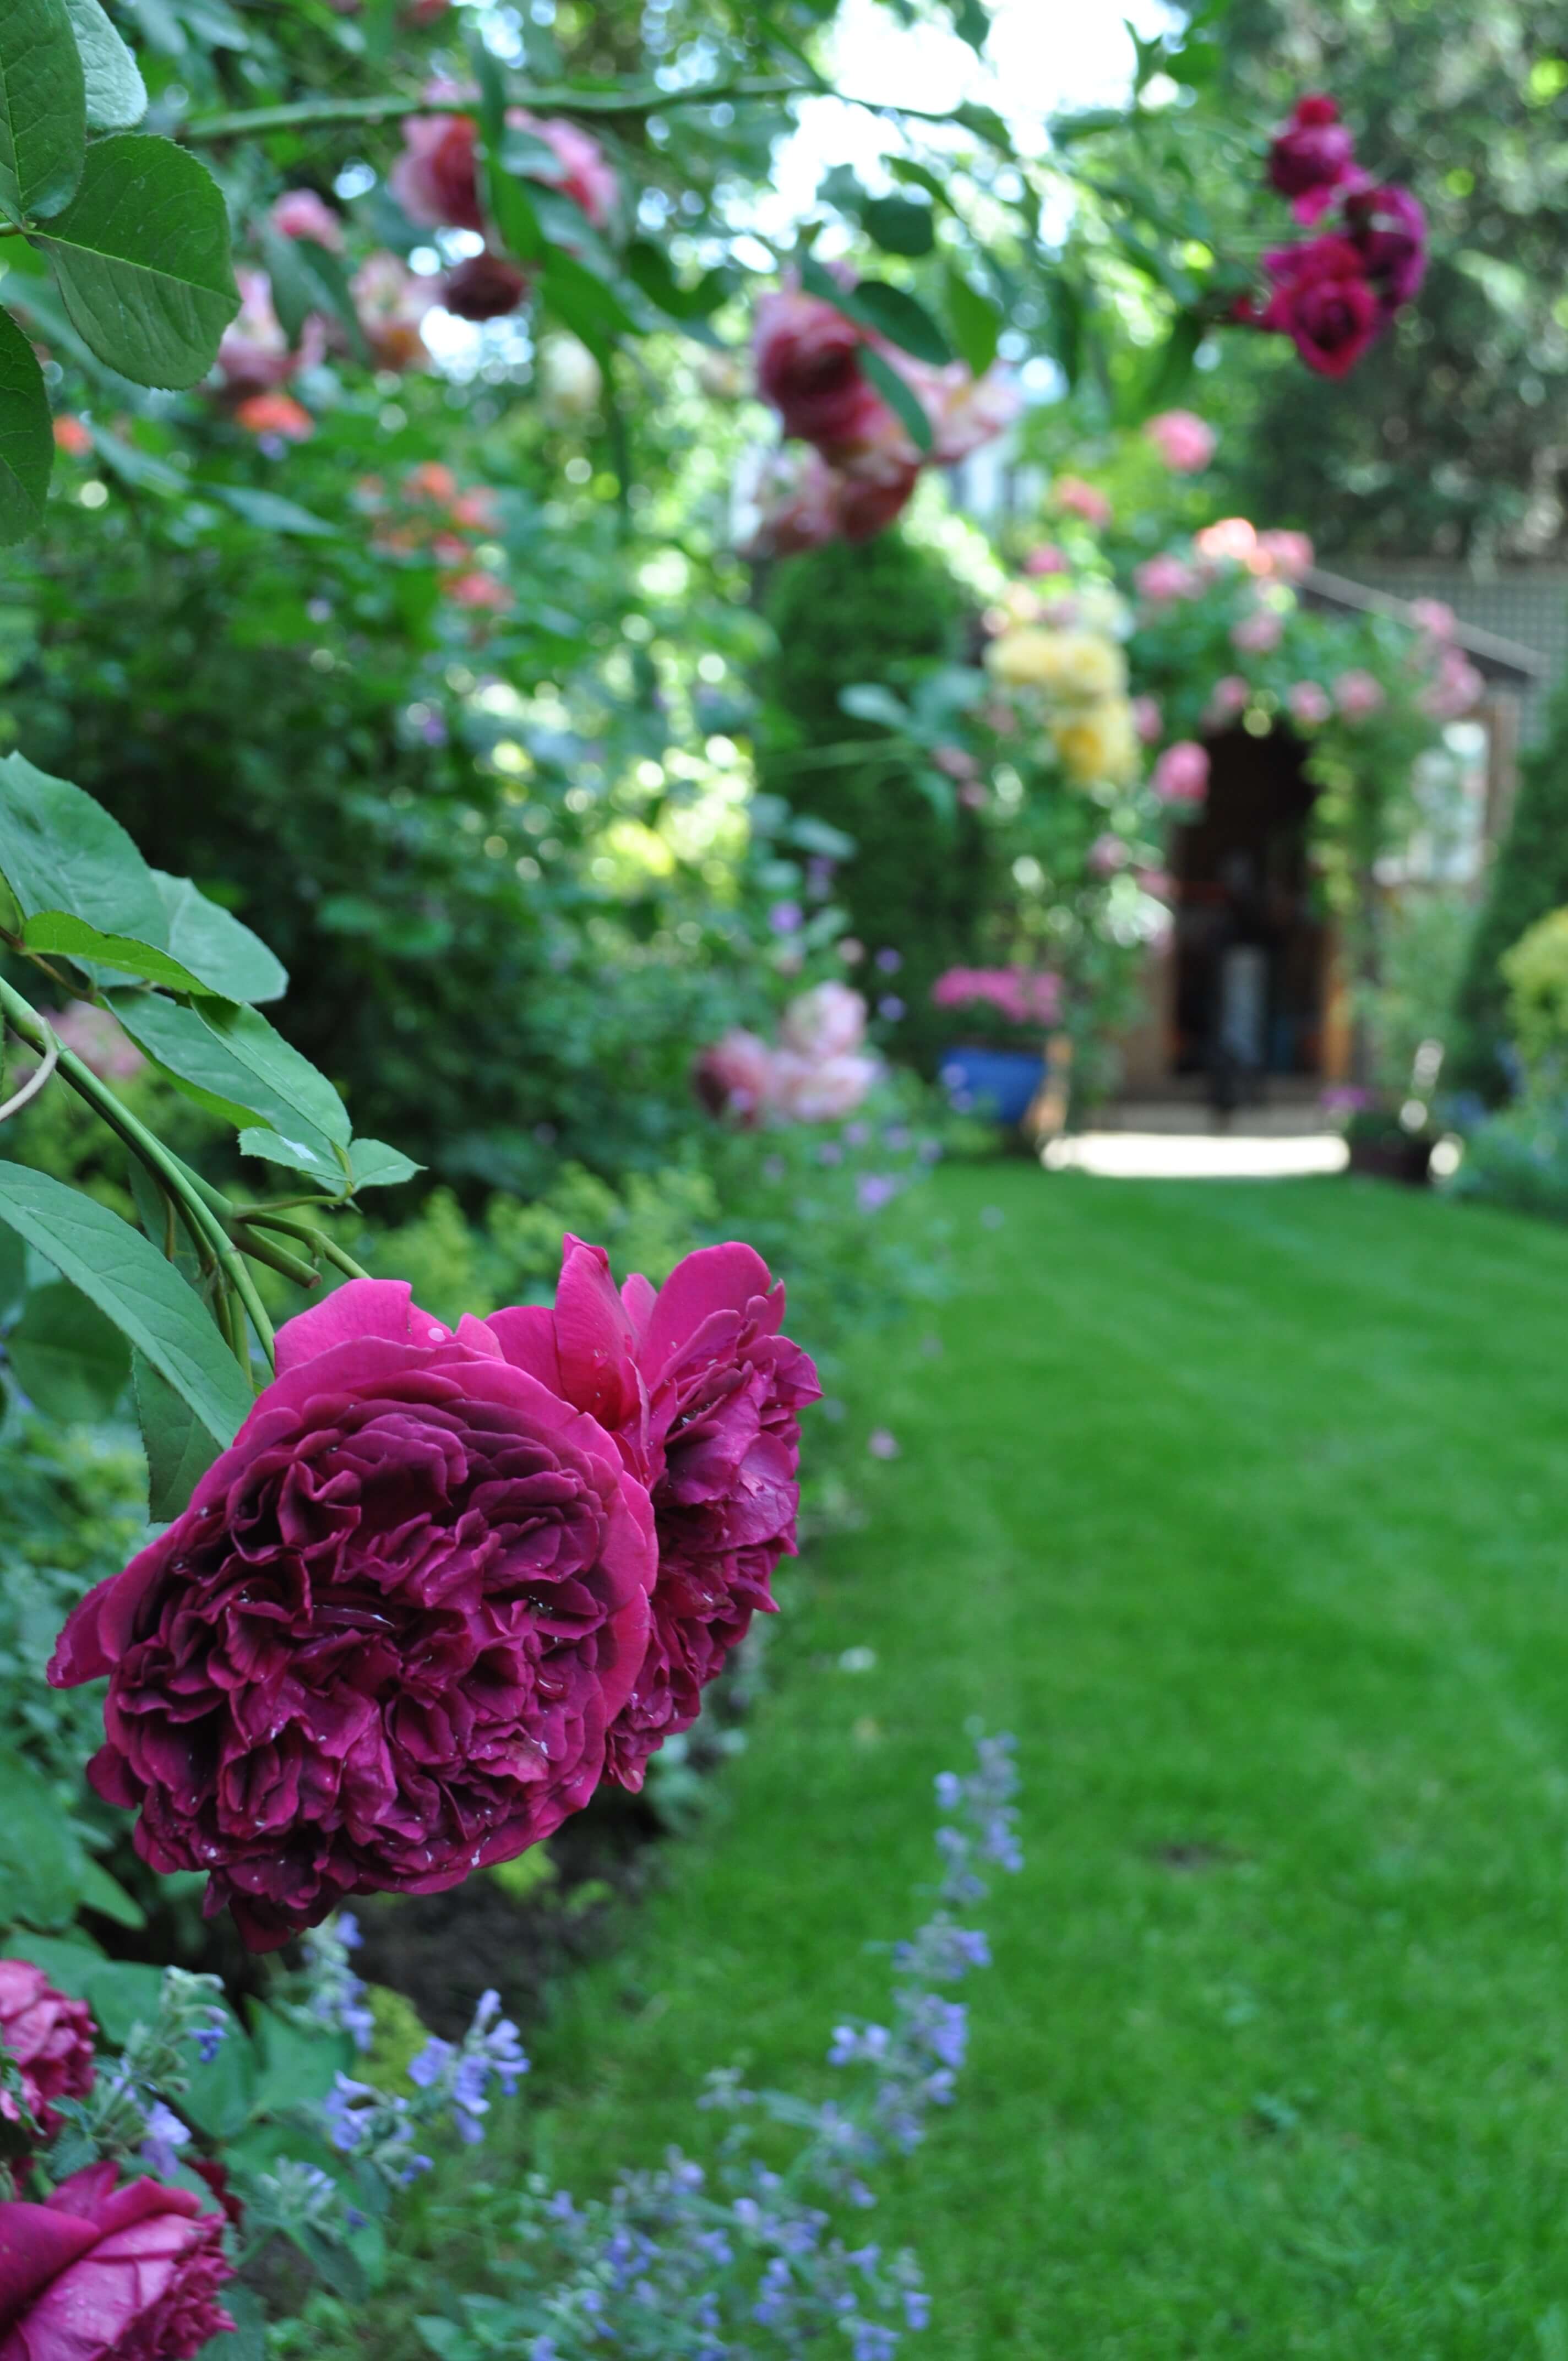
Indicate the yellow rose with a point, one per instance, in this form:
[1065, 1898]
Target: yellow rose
[1100, 744]
[1079, 666]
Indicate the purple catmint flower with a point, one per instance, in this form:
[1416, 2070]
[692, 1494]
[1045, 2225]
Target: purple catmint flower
[210, 2037]
[917, 2308]
[166, 2136]
[889, 962]
[432, 2063]
[949, 1790]
[786, 918]
[872, 2342]
[891, 1008]
[345, 2120]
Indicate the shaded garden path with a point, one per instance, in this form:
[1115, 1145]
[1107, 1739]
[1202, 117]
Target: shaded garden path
[1244, 1506]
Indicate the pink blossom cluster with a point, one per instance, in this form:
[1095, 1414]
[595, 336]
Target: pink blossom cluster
[863, 463]
[256, 361]
[1184, 440]
[446, 1580]
[1022, 996]
[1335, 294]
[818, 1072]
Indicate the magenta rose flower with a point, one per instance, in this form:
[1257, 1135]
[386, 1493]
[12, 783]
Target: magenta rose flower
[1311, 157]
[97, 2273]
[437, 178]
[582, 174]
[1324, 301]
[703, 1394]
[300, 213]
[384, 1644]
[1181, 775]
[1388, 229]
[1184, 440]
[50, 2038]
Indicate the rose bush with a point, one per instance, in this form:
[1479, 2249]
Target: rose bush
[96, 2273]
[385, 1642]
[49, 2037]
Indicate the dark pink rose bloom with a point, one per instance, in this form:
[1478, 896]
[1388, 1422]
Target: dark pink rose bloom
[584, 175]
[383, 1645]
[809, 366]
[97, 2273]
[1311, 156]
[484, 287]
[437, 178]
[1388, 229]
[703, 1394]
[1324, 300]
[49, 2036]
[300, 213]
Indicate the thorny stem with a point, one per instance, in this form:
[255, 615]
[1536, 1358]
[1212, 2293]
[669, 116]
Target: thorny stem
[310, 113]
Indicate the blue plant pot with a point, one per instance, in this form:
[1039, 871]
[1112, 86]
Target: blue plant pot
[998, 1082]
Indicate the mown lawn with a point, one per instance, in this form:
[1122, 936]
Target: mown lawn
[1244, 1506]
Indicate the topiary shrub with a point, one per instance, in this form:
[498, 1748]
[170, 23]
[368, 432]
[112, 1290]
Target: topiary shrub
[1536, 974]
[1530, 880]
[918, 882]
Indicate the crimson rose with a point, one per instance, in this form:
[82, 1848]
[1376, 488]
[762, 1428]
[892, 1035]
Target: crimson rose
[50, 2038]
[97, 2273]
[703, 1395]
[384, 1644]
[1324, 302]
[809, 366]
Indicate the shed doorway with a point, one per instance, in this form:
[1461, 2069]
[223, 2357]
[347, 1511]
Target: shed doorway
[1251, 956]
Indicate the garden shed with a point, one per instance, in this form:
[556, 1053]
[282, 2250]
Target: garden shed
[1252, 979]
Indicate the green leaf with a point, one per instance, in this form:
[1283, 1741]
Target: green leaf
[212, 943]
[307, 278]
[971, 22]
[61, 850]
[69, 1360]
[377, 1165]
[900, 398]
[974, 319]
[26, 436]
[269, 511]
[234, 1062]
[41, 1858]
[1087, 123]
[882, 310]
[13, 1273]
[652, 272]
[67, 938]
[179, 1449]
[899, 225]
[142, 257]
[317, 1163]
[296, 2066]
[868, 700]
[588, 307]
[124, 1993]
[106, 1894]
[117, 95]
[43, 112]
[67, 1965]
[246, 2340]
[127, 1278]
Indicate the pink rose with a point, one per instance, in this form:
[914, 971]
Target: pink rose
[437, 178]
[1159, 882]
[956, 761]
[1456, 690]
[1228, 698]
[480, 592]
[1075, 498]
[703, 1394]
[1161, 579]
[734, 1075]
[300, 213]
[383, 1645]
[965, 410]
[49, 2037]
[1046, 558]
[1184, 440]
[825, 1022]
[869, 497]
[1357, 694]
[484, 287]
[584, 173]
[1324, 300]
[97, 2273]
[1258, 633]
[1308, 702]
[1434, 617]
[1180, 775]
[820, 1090]
[277, 417]
[97, 1039]
[1285, 555]
[391, 303]
[1147, 719]
[1311, 156]
[254, 355]
[1107, 854]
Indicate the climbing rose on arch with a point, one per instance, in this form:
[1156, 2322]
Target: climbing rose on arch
[385, 1644]
[703, 1394]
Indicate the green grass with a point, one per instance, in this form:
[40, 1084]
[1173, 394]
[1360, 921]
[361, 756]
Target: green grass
[1243, 1505]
